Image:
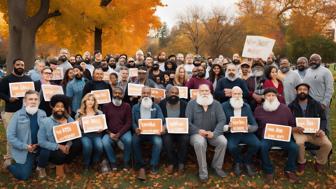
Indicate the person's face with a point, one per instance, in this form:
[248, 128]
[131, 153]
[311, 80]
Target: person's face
[302, 90]
[111, 61]
[235, 57]
[32, 100]
[284, 64]
[104, 64]
[98, 57]
[77, 72]
[182, 73]
[64, 52]
[200, 71]
[157, 80]
[142, 75]
[40, 66]
[189, 59]
[301, 65]
[274, 73]
[90, 102]
[172, 76]
[169, 65]
[139, 56]
[146, 92]
[98, 75]
[19, 65]
[149, 62]
[87, 56]
[47, 75]
[270, 97]
[216, 70]
[180, 57]
[173, 92]
[204, 90]
[194, 71]
[124, 75]
[162, 56]
[121, 61]
[231, 71]
[237, 94]
[78, 59]
[53, 66]
[117, 94]
[72, 60]
[131, 62]
[245, 70]
[71, 74]
[113, 80]
[83, 65]
[314, 60]
[59, 108]
[166, 77]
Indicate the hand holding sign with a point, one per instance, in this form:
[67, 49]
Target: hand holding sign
[102, 96]
[177, 125]
[66, 132]
[310, 125]
[18, 89]
[94, 123]
[51, 90]
[150, 126]
[238, 125]
[278, 132]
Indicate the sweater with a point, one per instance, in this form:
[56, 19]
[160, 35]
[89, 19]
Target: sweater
[290, 81]
[118, 118]
[225, 83]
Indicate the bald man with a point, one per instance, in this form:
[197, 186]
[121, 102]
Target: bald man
[236, 107]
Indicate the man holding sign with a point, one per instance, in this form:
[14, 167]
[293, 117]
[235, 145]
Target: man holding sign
[12, 104]
[273, 112]
[304, 106]
[50, 150]
[174, 107]
[242, 125]
[146, 109]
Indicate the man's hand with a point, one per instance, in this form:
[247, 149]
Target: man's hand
[298, 130]
[210, 135]
[30, 148]
[162, 132]
[320, 133]
[203, 133]
[13, 99]
[63, 148]
[137, 131]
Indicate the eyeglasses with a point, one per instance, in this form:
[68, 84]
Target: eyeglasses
[47, 73]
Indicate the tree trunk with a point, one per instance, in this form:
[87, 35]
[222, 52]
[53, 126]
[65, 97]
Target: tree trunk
[98, 39]
[28, 46]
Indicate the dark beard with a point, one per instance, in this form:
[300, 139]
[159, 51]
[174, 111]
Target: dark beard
[104, 69]
[18, 71]
[78, 77]
[113, 66]
[58, 116]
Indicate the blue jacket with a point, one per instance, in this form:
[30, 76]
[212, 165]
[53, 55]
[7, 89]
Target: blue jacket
[19, 133]
[245, 112]
[45, 135]
[156, 113]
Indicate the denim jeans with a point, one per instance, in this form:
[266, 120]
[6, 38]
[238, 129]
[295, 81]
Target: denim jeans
[23, 171]
[176, 147]
[156, 149]
[108, 144]
[250, 139]
[290, 147]
[92, 147]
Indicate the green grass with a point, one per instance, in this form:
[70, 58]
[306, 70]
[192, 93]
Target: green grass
[120, 179]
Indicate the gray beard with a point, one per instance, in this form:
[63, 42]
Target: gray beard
[271, 106]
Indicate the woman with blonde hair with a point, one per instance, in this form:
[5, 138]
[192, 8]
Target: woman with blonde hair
[92, 145]
[181, 76]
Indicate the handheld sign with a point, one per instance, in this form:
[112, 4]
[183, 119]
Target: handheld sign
[310, 125]
[177, 125]
[133, 72]
[18, 89]
[57, 74]
[134, 89]
[150, 126]
[102, 96]
[94, 123]
[239, 125]
[67, 132]
[193, 93]
[183, 92]
[278, 132]
[158, 93]
[51, 90]
[258, 47]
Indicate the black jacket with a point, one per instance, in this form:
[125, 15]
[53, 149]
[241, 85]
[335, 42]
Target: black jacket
[183, 106]
[314, 109]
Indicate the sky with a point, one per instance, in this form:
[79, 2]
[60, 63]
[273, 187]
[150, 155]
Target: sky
[174, 8]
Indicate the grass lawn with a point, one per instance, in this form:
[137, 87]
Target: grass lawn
[120, 179]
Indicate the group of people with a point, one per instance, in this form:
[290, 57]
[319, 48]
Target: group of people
[266, 92]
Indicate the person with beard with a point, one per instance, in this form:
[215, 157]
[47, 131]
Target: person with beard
[188, 66]
[46, 79]
[206, 121]
[272, 81]
[12, 104]
[92, 145]
[123, 73]
[290, 80]
[149, 63]
[271, 61]
[68, 76]
[113, 80]
[87, 60]
[225, 84]
[74, 89]
[139, 58]
[146, 109]
[321, 82]
[105, 67]
[215, 74]
[170, 66]
[72, 60]
[302, 66]
[236, 107]
[130, 63]
[86, 72]
[97, 83]
[98, 57]
[50, 151]
[245, 70]
[78, 59]
[22, 135]
[274, 112]
[305, 106]
[161, 60]
[176, 145]
[255, 84]
[119, 119]
[195, 82]
[112, 63]
[63, 58]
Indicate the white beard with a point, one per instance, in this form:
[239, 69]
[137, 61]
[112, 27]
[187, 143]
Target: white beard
[146, 102]
[116, 102]
[204, 100]
[31, 110]
[236, 103]
[271, 106]
[231, 78]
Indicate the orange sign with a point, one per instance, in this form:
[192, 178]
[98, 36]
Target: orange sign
[177, 125]
[133, 72]
[239, 125]
[278, 132]
[106, 76]
[150, 126]
[193, 93]
[18, 89]
[57, 74]
[66, 132]
[51, 90]
[134, 89]
[158, 93]
[310, 125]
[94, 123]
[102, 96]
[183, 92]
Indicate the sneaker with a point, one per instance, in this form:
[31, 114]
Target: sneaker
[154, 169]
[41, 172]
[292, 178]
[104, 166]
[114, 166]
[220, 173]
[141, 174]
[7, 163]
[300, 168]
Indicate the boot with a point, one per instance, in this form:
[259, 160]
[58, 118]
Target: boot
[60, 171]
[41, 172]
